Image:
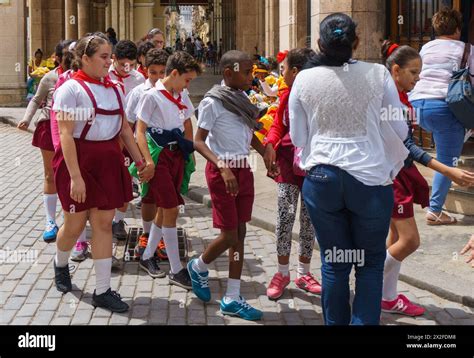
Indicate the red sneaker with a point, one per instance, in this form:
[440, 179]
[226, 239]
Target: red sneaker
[402, 305]
[277, 286]
[309, 284]
[161, 251]
[140, 248]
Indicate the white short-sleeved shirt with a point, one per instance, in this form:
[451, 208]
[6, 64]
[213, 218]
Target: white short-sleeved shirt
[157, 111]
[229, 137]
[133, 99]
[73, 99]
[133, 79]
[440, 59]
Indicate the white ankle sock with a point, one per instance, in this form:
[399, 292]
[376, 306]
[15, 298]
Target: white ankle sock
[62, 258]
[119, 216]
[153, 241]
[284, 270]
[233, 290]
[170, 236]
[50, 201]
[390, 277]
[199, 265]
[103, 272]
[83, 236]
[303, 269]
[146, 226]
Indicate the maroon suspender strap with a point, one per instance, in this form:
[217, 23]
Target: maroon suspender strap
[88, 125]
[122, 113]
[97, 110]
[119, 99]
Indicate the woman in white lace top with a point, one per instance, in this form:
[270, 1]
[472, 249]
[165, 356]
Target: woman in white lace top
[347, 118]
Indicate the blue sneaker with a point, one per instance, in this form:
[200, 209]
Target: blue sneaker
[242, 309]
[50, 232]
[200, 283]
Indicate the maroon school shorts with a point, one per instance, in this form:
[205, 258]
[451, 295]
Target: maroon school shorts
[228, 211]
[165, 187]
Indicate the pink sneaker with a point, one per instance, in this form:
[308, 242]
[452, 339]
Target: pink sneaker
[402, 305]
[309, 284]
[79, 253]
[277, 286]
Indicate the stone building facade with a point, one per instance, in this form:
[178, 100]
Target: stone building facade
[263, 26]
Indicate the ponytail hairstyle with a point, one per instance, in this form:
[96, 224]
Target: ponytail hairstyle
[299, 57]
[88, 46]
[393, 54]
[337, 37]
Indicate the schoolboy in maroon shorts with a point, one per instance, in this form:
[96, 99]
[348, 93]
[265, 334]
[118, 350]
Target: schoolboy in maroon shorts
[226, 125]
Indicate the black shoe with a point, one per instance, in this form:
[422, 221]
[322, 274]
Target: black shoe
[151, 266]
[110, 300]
[118, 231]
[62, 278]
[181, 279]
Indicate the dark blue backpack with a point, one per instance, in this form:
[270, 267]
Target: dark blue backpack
[460, 97]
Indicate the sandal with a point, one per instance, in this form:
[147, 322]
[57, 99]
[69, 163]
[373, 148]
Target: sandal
[435, 220]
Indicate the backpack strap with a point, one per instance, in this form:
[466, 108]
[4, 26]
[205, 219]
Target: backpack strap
[466, 55]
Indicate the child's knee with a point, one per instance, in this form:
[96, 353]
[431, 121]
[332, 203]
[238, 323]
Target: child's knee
[242, 232]
[413, 243]
[168, 214]
[49, 176]
[72, 231]
[231, 237]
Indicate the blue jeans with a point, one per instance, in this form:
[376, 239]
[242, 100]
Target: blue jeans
[349, 217]
[448, 133]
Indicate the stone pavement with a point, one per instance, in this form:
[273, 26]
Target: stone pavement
[28, 296]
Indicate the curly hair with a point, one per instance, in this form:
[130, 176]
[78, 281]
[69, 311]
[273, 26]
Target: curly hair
[446, 22]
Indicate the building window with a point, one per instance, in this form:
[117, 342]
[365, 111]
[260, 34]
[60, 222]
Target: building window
[410, 20]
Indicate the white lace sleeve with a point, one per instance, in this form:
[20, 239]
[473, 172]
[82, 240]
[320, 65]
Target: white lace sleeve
[298, 119]
[391, 102]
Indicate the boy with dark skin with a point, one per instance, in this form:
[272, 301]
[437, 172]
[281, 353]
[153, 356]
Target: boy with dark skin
[221, 138]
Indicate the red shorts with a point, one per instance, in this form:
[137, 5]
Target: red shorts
[105, 175]
[409, 187]
[148, 198]
[165, 187]
[228, 211]
[42, 138]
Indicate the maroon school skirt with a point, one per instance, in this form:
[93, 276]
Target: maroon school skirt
[409, 187]
[42, 138]
[105, 175]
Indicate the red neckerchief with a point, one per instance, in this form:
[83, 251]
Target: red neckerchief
[142, 71]
[411, 112]
[81, 75]
[176, 101]
[119, 76]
